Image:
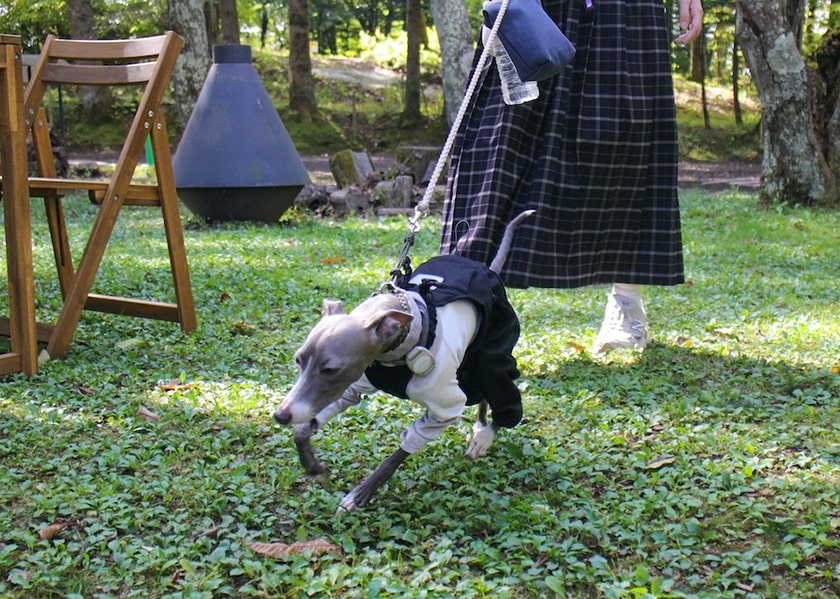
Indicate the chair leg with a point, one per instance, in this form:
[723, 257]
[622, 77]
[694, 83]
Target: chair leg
[74, 301]
[15, 208]
[172, 226]
[55, 214]
[60, 242]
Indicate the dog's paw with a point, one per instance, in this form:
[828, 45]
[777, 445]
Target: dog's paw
[348, 503]
[315, 468]
[480, 442]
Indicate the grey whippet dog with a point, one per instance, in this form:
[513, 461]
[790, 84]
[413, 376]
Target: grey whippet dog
[442, 338]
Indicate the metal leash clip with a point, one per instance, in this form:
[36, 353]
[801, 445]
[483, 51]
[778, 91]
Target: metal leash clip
[402, 269]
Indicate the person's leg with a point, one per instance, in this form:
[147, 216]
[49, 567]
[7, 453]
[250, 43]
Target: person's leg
[625, 320]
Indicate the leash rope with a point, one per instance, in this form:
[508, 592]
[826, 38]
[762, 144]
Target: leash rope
[421, 210]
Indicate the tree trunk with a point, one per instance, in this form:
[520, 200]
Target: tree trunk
[697, 71]
[230, 21]
[699, 60]
[186, 18]
[794, 167]
[828, 63]
[736, 92]
[211, 22]
[456, 49]
[81, 18]
[301, 83]
[414, 28]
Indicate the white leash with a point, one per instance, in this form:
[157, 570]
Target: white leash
[422, 209]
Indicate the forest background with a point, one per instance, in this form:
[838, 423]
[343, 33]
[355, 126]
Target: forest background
[784, 54]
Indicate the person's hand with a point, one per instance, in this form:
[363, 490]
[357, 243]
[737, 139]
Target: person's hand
[691, 21]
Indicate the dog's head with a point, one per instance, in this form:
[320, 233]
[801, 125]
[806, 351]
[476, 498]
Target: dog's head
[336, 353]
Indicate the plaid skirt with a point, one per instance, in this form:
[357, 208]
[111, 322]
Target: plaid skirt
[595, 155]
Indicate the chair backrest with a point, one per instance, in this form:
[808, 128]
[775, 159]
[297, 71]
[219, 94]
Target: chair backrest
[143, 62]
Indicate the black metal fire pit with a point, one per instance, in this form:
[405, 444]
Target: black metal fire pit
[235, 160]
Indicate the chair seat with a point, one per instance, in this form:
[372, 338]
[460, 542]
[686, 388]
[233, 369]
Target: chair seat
[139, 194]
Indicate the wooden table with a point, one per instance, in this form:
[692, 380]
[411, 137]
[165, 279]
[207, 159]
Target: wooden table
[18, 227]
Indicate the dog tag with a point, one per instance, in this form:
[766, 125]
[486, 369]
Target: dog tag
[420, 361]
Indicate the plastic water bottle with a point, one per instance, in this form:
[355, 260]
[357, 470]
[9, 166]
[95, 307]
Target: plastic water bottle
[514, 90]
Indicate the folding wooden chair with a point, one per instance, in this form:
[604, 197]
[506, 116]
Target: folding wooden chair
[146, 62]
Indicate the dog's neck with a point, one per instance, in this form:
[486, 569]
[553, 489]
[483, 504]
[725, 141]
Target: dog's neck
[413, 333]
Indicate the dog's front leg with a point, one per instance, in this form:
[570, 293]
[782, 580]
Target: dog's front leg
[303, 432]
[360, 496]
[303, 442]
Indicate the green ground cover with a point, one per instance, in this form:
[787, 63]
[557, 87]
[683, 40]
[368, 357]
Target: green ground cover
[708, 466]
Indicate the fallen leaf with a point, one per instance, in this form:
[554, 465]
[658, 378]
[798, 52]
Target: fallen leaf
[210, 532]
[176, 385]
[726, 332]
[316, 546]
[657, 464]
[22, 576]
[332, 260]
[85, 390]
[243, 328]
[51, 531]
[129, 343]
[147, 415]
[224, 296]
[745, 587]
[577, 347]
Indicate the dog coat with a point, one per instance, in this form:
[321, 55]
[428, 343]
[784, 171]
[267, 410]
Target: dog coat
[488, 370]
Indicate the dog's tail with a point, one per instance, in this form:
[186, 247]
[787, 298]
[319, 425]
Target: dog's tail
[507, 239]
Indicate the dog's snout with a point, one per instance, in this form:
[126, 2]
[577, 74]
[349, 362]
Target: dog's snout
[283, 416]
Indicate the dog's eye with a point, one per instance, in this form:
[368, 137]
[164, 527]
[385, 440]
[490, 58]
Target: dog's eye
[327, 371]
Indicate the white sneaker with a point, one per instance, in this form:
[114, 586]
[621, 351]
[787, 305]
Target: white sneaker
[624, 326]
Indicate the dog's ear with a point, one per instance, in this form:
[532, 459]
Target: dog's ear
[329, 307]
[387, 325]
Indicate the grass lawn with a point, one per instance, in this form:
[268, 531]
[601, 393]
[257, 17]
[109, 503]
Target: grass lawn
[708, 466]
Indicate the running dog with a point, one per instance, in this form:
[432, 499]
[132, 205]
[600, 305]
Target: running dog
[442, 336]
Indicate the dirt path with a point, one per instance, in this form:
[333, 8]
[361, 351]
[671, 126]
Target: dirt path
[712, 176]
[715, 176]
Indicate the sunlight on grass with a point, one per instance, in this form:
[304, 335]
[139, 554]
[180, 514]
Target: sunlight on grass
[705, 467]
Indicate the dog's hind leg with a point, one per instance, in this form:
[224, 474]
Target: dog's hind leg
[482, 435]
[360, 496]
